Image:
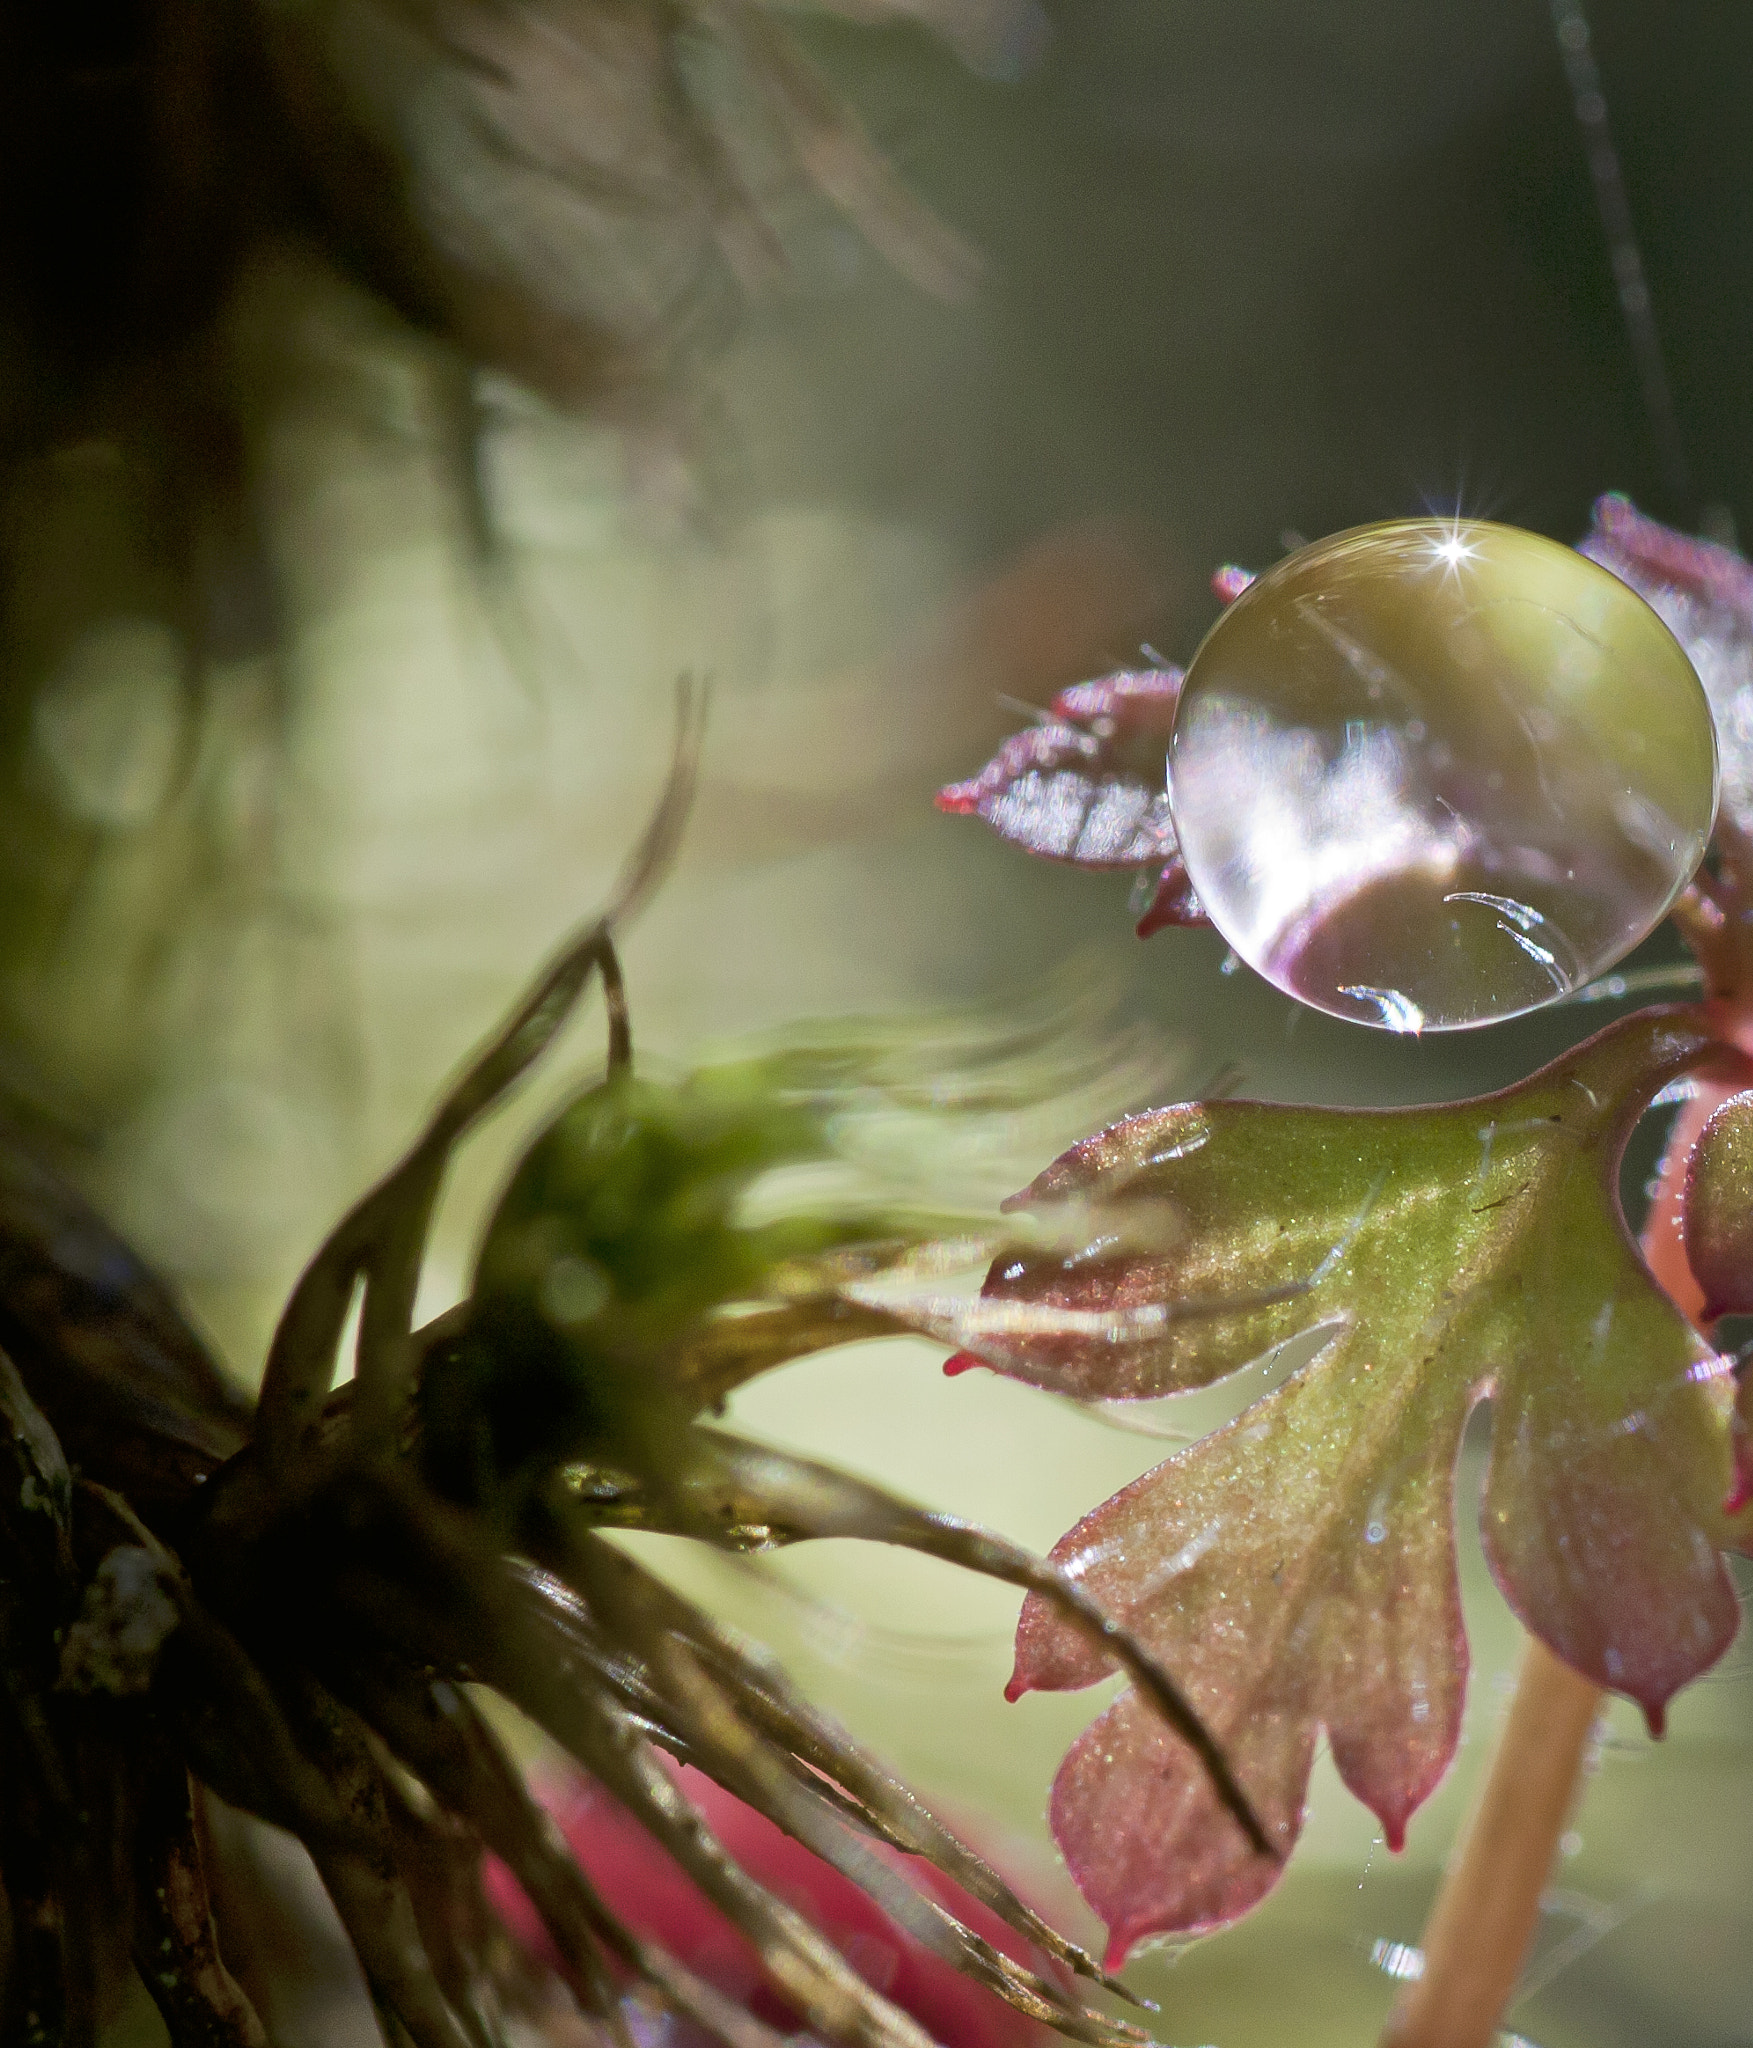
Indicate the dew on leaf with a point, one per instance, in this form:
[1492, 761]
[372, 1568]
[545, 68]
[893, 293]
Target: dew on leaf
[1430, 774]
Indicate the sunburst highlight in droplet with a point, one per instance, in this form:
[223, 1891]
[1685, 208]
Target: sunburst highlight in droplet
[1453, 549]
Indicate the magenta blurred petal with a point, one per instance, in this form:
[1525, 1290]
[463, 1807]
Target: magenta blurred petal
[652, 1898]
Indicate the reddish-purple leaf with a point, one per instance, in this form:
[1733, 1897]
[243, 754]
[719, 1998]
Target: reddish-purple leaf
[1296, 1569]
[1089, 783]
[1129, 703]
[1704, 593]
[1282, 1611]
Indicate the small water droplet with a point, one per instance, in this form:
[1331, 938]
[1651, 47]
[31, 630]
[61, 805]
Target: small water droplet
[1398, 1959]
[1429, 774]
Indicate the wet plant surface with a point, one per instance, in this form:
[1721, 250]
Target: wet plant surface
[1246, 268]
[1298, 1562]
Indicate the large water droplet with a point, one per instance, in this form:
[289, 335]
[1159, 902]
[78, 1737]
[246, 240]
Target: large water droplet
[1430, 774]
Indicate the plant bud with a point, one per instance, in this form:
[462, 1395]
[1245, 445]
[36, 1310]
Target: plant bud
[1717, 1209]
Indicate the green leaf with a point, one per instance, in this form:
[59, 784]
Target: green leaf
[1297, 1568]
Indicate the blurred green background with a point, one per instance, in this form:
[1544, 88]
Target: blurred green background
[1252, 270]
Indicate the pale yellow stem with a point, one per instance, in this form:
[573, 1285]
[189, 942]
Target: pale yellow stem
[1480, 1928]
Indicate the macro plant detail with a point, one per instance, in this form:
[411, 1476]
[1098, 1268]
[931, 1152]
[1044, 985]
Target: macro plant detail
[1297, 1566]
[1085, 785]
[287, 1607]
[342, 314]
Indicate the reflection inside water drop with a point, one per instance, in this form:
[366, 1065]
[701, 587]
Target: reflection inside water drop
[1428, 775]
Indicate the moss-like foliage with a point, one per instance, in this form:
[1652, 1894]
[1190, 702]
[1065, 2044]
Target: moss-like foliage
[292, 1606]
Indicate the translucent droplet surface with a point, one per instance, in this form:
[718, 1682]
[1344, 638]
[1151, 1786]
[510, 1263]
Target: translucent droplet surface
[1430, 774]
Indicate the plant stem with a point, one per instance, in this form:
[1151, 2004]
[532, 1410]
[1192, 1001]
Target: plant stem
[1479, 1930]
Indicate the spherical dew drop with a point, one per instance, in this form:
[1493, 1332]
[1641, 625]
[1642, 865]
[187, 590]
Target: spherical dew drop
[1434, 773]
